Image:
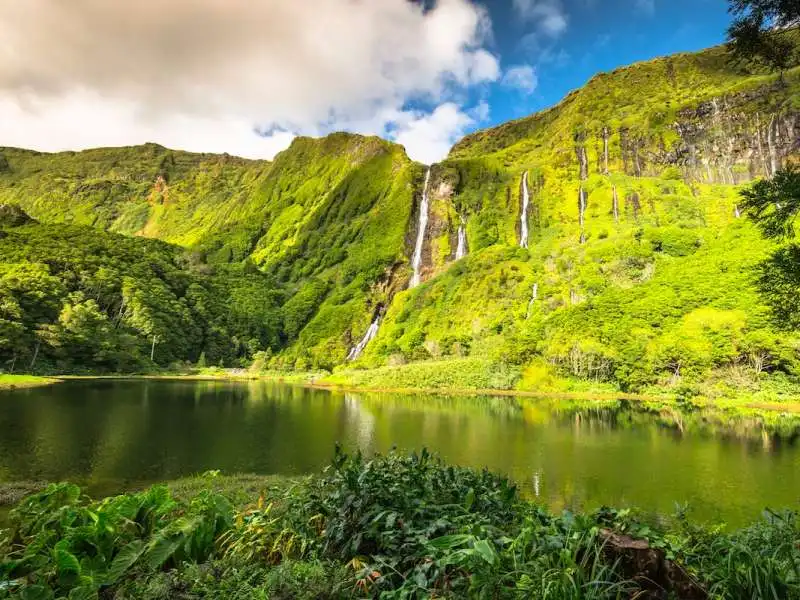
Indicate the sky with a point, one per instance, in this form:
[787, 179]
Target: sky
[247, 76]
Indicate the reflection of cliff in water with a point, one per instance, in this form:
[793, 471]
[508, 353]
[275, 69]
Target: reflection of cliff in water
[114, 435]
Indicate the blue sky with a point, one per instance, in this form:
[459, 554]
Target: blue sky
[597, 35]
[247, 76]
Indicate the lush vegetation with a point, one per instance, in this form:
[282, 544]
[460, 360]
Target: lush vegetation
[76, 299]
[326, 221]
[644, 273]
[392, 527]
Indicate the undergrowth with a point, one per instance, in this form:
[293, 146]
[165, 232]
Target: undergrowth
[391, 526]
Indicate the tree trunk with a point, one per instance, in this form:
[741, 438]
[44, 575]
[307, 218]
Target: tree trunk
[35, 354]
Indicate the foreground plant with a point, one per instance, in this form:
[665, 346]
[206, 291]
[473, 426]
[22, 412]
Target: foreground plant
[392, 526]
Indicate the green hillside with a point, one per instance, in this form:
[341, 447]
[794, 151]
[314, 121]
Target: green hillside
[644, 272]
[639, 268]
[326, 220]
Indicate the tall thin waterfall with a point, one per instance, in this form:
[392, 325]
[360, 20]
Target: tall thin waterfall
[534, 296]
[523, 219]
[372, 331]
[773, 155]
[761, 146]
[615, 205]
[736, 212]
[416, 261]
[461, 249]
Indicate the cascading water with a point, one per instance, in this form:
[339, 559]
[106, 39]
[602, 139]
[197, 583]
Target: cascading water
[773, 155]
[461, 249]
[736, 212]
[372, 331]
[523, 219]
[615, 205]
[416, 261]
[534, 296]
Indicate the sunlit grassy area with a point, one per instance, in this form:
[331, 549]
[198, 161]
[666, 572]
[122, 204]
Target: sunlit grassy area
[12, 382]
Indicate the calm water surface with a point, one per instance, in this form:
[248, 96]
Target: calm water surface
[112, 435]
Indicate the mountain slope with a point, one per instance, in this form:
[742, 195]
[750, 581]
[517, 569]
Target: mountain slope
[638, 269]
[327, 218]
[638, 261]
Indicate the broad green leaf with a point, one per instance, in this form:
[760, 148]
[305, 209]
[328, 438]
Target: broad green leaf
[161, 549]
[450, 541]
[36, 592]
[84, 592]
[486, 551]
[124, 559]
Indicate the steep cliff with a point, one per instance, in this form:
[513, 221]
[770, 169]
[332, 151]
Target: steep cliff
[637, 258]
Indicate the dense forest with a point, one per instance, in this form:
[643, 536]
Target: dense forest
[76, 299]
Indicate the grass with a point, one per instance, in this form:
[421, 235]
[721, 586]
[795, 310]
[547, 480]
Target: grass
[15, 382]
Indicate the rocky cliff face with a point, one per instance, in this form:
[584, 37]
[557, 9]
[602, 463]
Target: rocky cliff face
[728, 140]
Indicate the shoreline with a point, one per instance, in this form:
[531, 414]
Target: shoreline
[316, 381]
[24, 382]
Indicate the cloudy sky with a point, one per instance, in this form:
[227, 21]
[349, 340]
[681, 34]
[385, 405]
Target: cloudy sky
[246, 76]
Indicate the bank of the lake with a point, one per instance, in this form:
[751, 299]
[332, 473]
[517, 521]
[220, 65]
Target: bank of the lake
[767, 397]
[13, 382]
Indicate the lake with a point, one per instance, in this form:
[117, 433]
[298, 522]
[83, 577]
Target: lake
[111, 435]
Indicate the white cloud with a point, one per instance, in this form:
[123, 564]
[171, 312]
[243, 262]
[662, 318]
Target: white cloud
[548, 15]
[429, 137]
[646, 6]
[522, 77]
[203, 74]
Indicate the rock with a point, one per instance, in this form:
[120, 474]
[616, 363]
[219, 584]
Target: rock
[649, 567]
[12, 215]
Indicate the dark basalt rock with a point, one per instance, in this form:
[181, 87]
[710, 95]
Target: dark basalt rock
[659, 577]
[12, 215]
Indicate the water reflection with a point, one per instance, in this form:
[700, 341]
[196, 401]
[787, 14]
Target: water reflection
[114, 434]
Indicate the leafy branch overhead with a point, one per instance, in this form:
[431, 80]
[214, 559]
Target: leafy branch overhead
[758, 31]
[774, 204]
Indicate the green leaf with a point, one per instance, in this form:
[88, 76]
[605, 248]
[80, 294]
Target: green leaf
[84, 592]
[447, 542]
[68, 568]
[162, 549]
[470, 499]
[36, 592]
[486, 551]
[123, 561]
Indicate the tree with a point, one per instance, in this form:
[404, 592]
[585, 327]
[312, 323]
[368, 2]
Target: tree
[774, 204]
[756, 33]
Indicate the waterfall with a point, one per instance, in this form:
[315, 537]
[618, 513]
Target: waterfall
[615, 206]
[760, 146]
[605, 150]
[461, 249]
[523, 219]
[416, 261]
[581, 212]
[534, 296]
[737, 213]
[372, 331]
[773, 157]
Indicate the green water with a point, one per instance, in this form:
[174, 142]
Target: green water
[114, 435]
